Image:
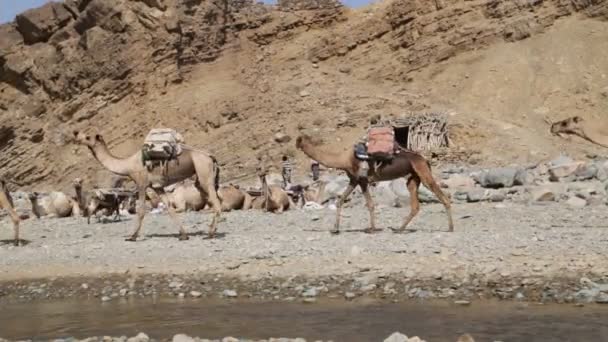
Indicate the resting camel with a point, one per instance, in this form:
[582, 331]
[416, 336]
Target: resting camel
[584, 129]
[189, 163]
[6, 202]
[185, 196]
[405, 164]
[53, 204]
[274, 198]
[233, 198]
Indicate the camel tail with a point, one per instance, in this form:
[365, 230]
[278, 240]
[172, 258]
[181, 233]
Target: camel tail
[216, 168]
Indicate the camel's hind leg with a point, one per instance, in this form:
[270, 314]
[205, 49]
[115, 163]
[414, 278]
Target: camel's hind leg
[205, 184]
[141, 212]
[369, 203]
[13, 214]
[424, 172]
[412, 186]
[163, 197]
[349, 189]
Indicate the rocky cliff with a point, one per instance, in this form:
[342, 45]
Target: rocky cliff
[236, 77]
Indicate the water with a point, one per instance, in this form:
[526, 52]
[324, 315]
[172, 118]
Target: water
[339, 321]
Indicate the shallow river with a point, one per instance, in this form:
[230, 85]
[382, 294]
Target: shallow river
[340, 321]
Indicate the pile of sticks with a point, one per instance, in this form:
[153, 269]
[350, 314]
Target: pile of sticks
[427, 131]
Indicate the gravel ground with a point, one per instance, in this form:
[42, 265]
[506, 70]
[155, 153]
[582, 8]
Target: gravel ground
[546, 252]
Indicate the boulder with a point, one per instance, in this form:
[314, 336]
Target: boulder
[427, 196]
[544, 194]
[396, 337]
[476, 195]
[10, 38]
[38, 24]
[586, 172]
[503, 177]
[456, 181]
[523, 177]
[282, 138]
[602, 170]
[563, 169]
[576, 202]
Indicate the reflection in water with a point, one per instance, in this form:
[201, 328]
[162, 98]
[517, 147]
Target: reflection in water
[338, 321]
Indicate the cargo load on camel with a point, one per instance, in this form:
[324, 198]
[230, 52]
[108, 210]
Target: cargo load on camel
[381, 143]
[162, 144]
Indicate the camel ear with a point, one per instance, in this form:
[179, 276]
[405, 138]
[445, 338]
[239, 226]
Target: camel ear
[98, 137]
[577, 119]
[75, 133]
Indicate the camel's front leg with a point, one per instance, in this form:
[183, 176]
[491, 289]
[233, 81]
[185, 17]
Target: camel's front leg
[173, 214]
[16, 220]
[347, 192]
[370, 207]
[141, 212]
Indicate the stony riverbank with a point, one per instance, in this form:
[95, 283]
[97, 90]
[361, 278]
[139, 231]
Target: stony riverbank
[547, 252]
[142, 337]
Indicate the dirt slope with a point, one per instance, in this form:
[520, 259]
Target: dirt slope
[231, 75]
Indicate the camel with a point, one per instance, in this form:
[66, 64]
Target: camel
[314, 192]
[53, 204]
[6, 202]
[274, 198]
[233, 198]
[584, 129]
[405, 164]
[185, 196]
[188, 163]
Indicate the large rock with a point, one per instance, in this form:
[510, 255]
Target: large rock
[39, 24]
[10, 38]
[457, 181]
[335, 186]
[503, 177]
[562, 167]
[586, 171]
[576, 202]
[396, 337]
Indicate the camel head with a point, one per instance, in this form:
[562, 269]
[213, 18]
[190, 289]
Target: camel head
[77, 183]
[88, 140]
[33, 196]
[571, 125]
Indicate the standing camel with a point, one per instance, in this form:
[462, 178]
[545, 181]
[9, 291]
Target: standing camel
[405, 163]
[6, 202]
[189, 163]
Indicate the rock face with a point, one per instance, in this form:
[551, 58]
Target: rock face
[82, 64]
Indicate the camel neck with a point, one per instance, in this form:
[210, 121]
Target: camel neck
[115, 165]
[332, 159]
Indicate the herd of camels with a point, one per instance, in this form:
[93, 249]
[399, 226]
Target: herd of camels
[205, 190]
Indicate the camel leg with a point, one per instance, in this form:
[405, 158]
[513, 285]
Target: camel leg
[412, 186]
[347, 192]
[369, 203]
[429, 182]
[141, 212]
[206, 186]
[13, 214]
[173, 214]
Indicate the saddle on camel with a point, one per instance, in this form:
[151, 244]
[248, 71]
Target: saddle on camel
[378, 146]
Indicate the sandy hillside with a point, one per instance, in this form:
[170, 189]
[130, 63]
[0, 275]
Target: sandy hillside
[231, 78]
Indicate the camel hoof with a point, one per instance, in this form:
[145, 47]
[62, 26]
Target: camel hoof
[132, 239]
[183, 237]
[17, 243]
[398, 230]
[334, 232]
